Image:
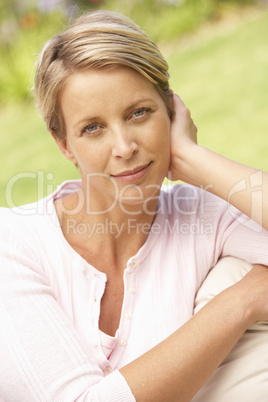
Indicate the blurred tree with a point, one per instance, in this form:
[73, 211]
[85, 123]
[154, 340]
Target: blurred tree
[26, 24]
[84, 4]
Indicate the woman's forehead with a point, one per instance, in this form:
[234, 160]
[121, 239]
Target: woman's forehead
[96, 94]
[118, 84]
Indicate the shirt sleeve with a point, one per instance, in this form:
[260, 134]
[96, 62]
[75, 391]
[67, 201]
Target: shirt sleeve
[43, 358]
[232, 233]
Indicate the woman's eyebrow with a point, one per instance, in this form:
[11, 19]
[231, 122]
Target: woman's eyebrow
[139, 103]
[86, 120]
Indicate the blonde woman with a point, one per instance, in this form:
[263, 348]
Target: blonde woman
[98, 280]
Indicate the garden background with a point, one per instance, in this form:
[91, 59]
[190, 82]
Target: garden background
[218, 56]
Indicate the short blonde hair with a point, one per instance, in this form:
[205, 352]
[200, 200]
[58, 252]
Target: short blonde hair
[101, 39]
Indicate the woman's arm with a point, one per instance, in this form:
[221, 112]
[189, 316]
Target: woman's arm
[45, 357]
[178, 367]
[244, 187]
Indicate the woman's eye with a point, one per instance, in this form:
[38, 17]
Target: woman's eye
[141, 112]
[91, 128]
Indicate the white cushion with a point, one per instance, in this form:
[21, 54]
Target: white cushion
[243, 375]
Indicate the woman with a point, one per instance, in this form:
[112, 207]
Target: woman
[98, 280]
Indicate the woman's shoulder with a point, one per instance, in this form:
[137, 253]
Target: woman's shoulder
[36, 221]
[187, 199]
[34, 213]
[18, 215]
[9, 218]
[18, 224]
[25, 223]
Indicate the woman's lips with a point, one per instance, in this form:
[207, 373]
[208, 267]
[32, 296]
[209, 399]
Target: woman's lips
[134, 174]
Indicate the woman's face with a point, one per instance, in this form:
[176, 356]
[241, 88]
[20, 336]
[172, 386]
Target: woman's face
[117, 132]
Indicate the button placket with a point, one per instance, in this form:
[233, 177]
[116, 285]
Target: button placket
[129, 280]
[128, 315]
[131, 289]
[122, 342]
[108, 370]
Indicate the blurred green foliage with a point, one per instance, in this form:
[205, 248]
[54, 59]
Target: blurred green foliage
[220, 73]
[23, 30]
[26, 24]
[168, 19]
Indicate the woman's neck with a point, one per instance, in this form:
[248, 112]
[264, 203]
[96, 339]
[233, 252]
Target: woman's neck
[105, 238]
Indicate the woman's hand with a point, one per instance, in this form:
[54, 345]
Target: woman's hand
[201, 167]
[178, 366]
[183, 137]
[253, 288]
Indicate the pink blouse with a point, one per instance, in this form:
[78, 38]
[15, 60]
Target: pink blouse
[50, 344]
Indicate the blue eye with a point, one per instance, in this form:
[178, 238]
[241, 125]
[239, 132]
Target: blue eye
[141, 112]
[91, 128]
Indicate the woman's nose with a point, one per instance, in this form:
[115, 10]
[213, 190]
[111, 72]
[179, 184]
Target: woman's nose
[125, 145]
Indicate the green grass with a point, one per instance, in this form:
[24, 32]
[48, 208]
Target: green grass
[32, 165]
[221, 74]
[223, 79]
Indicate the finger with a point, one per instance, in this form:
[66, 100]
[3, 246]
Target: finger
[179, 106]
[177, 99]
